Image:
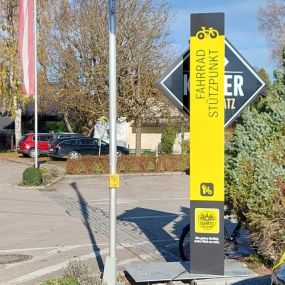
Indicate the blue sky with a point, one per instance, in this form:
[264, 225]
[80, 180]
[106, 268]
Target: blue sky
[241, 26]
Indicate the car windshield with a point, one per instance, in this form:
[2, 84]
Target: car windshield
[103, 142]
[23, 138]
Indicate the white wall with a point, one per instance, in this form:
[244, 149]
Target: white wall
[151, 137]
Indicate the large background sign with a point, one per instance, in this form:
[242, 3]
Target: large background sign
[207, 64]
[242, 83]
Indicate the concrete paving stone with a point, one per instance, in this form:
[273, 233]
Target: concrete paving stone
[260, 280]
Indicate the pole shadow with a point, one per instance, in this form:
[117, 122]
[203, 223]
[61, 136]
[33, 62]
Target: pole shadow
[85, 218]
[153, 223]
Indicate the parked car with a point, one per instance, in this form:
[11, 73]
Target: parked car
[73, 148]
[278, 274]
[26, 145]
[63, 135]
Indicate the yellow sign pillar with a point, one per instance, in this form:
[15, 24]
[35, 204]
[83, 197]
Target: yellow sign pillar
[207, 55]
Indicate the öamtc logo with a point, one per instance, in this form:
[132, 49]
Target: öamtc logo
[207, 220]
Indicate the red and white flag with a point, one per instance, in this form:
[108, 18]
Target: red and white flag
[26, 45]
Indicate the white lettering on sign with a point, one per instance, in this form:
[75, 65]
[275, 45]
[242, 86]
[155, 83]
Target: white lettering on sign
[230, 103]
[233, 85]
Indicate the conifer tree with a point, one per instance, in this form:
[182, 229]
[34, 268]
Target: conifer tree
[254, 168]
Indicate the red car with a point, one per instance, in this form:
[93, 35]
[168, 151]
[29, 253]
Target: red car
[26, 145]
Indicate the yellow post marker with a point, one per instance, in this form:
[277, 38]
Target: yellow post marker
[207, 118]
[207, 55]
[114, 180]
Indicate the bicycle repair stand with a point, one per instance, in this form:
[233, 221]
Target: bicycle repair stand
[175, 271]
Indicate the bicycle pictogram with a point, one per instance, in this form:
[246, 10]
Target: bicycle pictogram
[206, 33]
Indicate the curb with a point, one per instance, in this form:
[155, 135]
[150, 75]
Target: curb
[76, 176]
[41, 187]
[16, 161]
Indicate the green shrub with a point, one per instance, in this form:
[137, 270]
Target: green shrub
[254, 165]
[32, 176]
[168, 137]
[62, 281]
[185, 147]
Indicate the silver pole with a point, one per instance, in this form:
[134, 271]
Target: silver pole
[36, 84]
[110, 270]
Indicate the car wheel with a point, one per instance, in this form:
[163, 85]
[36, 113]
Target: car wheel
[32, 152]
[73, 155]
[119, 153]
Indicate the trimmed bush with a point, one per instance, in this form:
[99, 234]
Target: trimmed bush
[128, 164]
[168, 137]
[32, 176]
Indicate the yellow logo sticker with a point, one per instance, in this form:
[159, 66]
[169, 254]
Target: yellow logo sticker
[207, 221]
[207, 33]
[114, 181]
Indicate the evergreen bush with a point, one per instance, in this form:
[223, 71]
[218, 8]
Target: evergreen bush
[32, 177]
[168, 137]
[186, 147]
[254, 164]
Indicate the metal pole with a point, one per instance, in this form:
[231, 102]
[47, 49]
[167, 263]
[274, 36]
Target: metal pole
[36, 84]
[110, 270]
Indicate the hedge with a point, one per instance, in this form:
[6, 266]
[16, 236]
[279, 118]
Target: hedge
[128, 164]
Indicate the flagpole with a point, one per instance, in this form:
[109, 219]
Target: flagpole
[36, 85]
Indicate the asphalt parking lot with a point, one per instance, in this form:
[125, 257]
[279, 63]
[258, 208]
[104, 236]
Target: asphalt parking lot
[70, 221]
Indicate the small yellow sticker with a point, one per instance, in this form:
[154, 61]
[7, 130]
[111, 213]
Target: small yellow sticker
[207, 221]
[114, 181]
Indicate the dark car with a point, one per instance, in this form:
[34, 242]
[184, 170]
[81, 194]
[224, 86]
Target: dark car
[278, 274]
[73, 148]
[63, 135]
[26, 145]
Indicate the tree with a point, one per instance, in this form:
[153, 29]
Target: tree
[264, 76]
[74, 59]
[10, 82]
[271, 19]
[255, 167]
[142, 49]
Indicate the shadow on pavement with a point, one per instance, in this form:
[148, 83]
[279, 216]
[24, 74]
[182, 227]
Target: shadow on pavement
[152, 223]
[85, 215]
[260, 280]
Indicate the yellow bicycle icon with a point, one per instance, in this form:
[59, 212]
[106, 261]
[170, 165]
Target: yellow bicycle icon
[205, 33]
